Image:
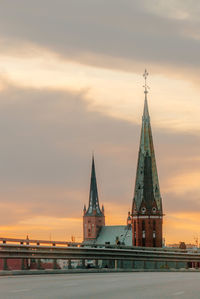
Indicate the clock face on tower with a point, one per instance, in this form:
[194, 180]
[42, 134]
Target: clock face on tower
[143, 210]
[154, 210]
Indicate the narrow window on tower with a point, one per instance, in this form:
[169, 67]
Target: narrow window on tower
[143, 233]
[154, 225]
[143, 225]
[154, 233]
[134, 232]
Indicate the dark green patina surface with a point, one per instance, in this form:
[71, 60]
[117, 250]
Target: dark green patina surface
[147, 190]
[93, 207]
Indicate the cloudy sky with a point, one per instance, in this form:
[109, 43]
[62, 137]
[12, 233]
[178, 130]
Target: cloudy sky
[70, 84]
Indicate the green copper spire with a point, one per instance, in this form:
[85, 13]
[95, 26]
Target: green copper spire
[93, 208]
[147, 190]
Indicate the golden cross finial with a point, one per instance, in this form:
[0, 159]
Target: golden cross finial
[145, 82]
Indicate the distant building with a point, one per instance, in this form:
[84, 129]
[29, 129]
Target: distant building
[94, 228]
[144, 225]
[147, 210]
[93, 218]
[179, 245]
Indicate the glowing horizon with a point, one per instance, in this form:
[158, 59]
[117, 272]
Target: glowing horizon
[70, 85]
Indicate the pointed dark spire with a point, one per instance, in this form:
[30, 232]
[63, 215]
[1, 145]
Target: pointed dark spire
[146, 109]
[93, 208]
[147, 189]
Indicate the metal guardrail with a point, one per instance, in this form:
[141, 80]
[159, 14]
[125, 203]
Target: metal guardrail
[11, 251]
[28, 251]
[89, 245]
[38, 242]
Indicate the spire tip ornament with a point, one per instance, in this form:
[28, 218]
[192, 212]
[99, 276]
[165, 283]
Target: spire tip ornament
[146, 87]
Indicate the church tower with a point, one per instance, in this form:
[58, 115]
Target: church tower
[93, 217]
[147, 211]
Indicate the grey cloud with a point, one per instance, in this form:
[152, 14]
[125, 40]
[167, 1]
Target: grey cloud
[41, 130]
[106, 33]
[47, 138]
[175, 9]
[189, 203]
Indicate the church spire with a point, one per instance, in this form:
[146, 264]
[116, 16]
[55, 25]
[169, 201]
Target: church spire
[93, 207]
[146, 87]
[147, 190]
[93, 217]
[147, 211]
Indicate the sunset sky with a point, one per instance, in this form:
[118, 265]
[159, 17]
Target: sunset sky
[71, 83]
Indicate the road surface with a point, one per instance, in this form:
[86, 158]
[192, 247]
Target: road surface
[102, 286]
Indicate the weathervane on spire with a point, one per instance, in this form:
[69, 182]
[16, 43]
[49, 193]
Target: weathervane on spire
[145, 84]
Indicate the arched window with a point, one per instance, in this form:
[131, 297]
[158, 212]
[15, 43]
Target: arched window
[143, 225]
[154, 233]
[154, 225]
[134, 240]
[143, 233]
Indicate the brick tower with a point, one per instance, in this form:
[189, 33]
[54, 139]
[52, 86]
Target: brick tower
[93, 217]
[147, 211]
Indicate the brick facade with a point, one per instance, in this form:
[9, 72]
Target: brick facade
[92, 226]
[93, 216]
[147, 231]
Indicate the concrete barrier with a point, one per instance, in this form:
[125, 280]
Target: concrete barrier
[80, 271]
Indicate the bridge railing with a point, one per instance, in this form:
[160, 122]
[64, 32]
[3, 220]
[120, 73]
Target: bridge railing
[134, 255]
[27, 250]
[88, 245]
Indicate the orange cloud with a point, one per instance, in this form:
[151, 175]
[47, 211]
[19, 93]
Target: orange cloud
[181, 227]
[41, 227]
[183, 182]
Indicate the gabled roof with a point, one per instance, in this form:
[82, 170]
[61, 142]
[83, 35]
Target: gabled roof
[109, 235]
[147, 188]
